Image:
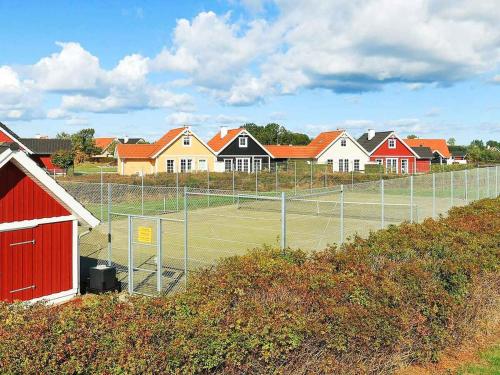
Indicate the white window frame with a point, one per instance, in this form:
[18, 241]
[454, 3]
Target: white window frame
[356, 165]
[231, 165]
[343, 142]
[405, 170]
[188, 138]
[257, 165]
[188, 165]
[391, 143]
[200, 167]
[379, 161]
[243, 165]
[346, 165]
[393, 163]
[173, 165]
[341, 165]
[243, 141]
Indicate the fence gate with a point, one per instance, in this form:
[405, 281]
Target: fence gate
[145, 256]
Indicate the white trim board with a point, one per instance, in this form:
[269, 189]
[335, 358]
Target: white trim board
[25, 224]
[242, 130]
[17, 141]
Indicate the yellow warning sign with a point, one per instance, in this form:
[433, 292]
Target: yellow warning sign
[145, 234]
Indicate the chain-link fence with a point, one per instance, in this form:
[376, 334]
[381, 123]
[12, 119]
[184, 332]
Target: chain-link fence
[155, 235]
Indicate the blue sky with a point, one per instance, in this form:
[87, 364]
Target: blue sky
[140, 68]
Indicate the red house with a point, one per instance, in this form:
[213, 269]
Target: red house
[387, 149]
[39, 149]
[39, 255]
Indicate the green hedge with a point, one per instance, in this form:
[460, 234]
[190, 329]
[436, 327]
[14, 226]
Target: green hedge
[398, 297]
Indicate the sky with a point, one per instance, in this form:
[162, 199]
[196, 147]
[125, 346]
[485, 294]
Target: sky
[140, 68]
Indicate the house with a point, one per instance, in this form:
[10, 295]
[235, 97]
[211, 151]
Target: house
[459, 157]
[107, 145]
[238, 150]
[439, 148]
[39, 255]
[179, 150]
[336, 148]
[387, 149]
[39, 149]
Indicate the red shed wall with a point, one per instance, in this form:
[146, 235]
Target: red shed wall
[400, 150]
[4, 138]
[45, 161]
[46, 264]
[22, 199]
[423, 165]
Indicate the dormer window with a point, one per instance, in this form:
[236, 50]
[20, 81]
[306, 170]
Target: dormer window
[243, 141]
[343, 142]
[186, 141]
[392, 143]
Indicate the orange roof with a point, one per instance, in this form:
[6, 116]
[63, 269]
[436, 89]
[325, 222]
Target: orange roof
[218, 142]
[291, 152]
[434, 144]
[104, 142]
[310, 151]
[147, 151]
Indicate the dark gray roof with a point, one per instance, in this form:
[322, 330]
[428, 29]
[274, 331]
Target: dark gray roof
[46, 146]
[369, 145]
[131, 141]
[3, 147]
[459, 153]
[8, 131]
[423, 152]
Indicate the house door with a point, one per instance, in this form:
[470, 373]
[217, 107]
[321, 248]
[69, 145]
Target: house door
[16, 265]
[391, 165]
[404, 166]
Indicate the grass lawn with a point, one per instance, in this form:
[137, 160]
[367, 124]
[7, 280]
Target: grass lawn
[94, 168]
[489, 363]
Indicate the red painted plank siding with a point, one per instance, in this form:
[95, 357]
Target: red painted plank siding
[47, 264]
[423, 165]
[22, 199]
[4, 138]
[400, 150]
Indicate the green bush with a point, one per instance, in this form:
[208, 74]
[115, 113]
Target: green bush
[397, 297]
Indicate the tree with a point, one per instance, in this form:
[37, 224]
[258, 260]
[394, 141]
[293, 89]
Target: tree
[451, 141]
[493, 144]
[412, 136]
[84, 145]
[63, 135]
[477, 143]
[272, 134]
[63, 158]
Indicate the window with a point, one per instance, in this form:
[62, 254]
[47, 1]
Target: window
[356, 165]
[392, 143]
[243, 141]
[170, 166]
[202, 165]
[257, 164]
[391, 165]
[343, 142]
[243, 165]
[186, 141]
[404, 166]
[378, 161]
[186, 165]
[341, 165]
[228, 165]
[329, 162]
[346, 165]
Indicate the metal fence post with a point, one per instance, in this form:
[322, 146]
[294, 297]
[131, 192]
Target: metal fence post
[341, 214]
[109, 223]
[451, 189]
[466, 174]
[234, 182]
[283, 220]
[311, 178]
[142, 193]
[130, 257]
[433, 195]
[159, 255]
[208, 188]
[488, 182]
[256, 182]
[177, 191]
[185, 235]
[477, 183]
[295, 177]
[276, 172]
[382, 213]
[411, 198]
[102, 197]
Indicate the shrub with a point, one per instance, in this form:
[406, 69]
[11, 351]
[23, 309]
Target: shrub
[397, 297]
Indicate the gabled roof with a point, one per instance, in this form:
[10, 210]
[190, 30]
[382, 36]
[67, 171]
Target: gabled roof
[47, 183]
[141, 151]
[14, 137]
[291, 152]
[323, 140]
[42, 146]
[371, 144]
[217, 143]
[436, 145]
[131, 141]
[423, 152]
[104, 142]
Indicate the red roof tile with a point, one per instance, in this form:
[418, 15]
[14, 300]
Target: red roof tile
[218, 142]
[147, 151]
[104, 142]
[434, 144]
[291, 152]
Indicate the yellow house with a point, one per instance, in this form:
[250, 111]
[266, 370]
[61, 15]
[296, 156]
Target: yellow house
[179, 150]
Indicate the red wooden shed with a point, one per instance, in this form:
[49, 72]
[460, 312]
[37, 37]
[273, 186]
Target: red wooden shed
[39, 255]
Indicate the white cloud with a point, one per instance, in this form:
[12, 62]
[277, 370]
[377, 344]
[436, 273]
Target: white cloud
[195, 119]
[18, 99]
[496, 79]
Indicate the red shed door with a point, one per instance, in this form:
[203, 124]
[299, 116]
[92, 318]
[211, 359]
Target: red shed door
[16, 265]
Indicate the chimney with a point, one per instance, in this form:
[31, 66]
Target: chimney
[125, 139]
[223, 131]
[371, 134]
[38, 136]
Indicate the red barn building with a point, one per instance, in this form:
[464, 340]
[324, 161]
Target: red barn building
[39, 149]
[39, 255]
[387, 149]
